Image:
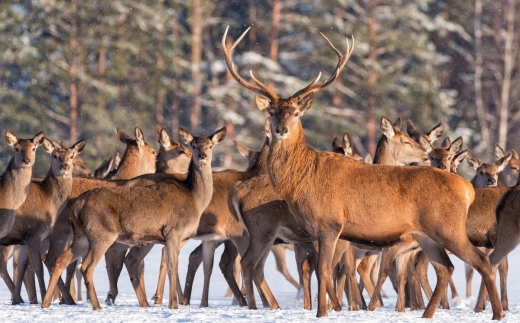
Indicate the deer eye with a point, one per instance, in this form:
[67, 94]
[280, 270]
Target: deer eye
[34, 149]
[17, 149]
[297, 113]
[54, 156]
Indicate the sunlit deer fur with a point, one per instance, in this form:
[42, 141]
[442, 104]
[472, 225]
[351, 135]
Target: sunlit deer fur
[509, 176]
[317, 195]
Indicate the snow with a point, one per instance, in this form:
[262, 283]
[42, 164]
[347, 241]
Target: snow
[127, 309]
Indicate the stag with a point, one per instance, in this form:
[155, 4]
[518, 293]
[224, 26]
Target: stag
[349, 205]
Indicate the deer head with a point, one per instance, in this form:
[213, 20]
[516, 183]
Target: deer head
[344, 147]
[173, 157]
[396, 148]
[284, 113]
[25, 149]
[202, 147]
[62, 157]
[442, 157]
[138, 150]
[487, 174]
[509, 176]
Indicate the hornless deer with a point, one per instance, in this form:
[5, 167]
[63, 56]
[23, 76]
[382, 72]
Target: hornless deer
[356, 203]
[509, 176]
[36, 216]
[109, 165]
[15, 180]
[139, 158]
[106, 215]
[487, 173]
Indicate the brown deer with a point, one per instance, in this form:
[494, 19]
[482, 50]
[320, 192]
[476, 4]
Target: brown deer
[107, 166]
[431, 136]
[36, 216]
[354, 204]
[139, 158]
[487, 173]
[176, 208]
[442, 157]
[15, 180]
[509, 175]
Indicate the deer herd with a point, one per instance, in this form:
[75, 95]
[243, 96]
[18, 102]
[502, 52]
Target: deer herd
[341, 213]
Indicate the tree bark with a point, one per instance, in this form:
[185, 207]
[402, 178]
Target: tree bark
[73, 88]
[196, 56]
[161, 93]
[372, 80]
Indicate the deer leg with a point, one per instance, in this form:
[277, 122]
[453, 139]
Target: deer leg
[421, 268]
[402, 261]
[364, 269]
[387, 257]
[33, 246]
[95, 252]
[69, 280]
[172, 254]
[79, 281]
[267, 297]
[29, 282]
[352, 284]
[374, 274]
[208, 255]
[305, 260]
[114, 261]
[502, 270]
[76, 250]
[196, 258]
[5, 254]
[443, 268]
[23, 260]
[281, 263]
[339, 273]
[326, 246]
[159, 292]
[227, 261]
[414, 278]
[133, 262]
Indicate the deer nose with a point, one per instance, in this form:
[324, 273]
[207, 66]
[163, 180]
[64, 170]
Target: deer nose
[282, 130]
[203, 156]
[443, 167]
[26, 160]
[491, 181]
[64, 167]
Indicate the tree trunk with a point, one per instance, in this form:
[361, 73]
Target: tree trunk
[196, 56]
[73, 98]
[372, 80]
[508, 67]
[161, 93]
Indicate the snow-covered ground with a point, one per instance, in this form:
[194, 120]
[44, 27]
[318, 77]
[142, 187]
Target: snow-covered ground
[127, 309]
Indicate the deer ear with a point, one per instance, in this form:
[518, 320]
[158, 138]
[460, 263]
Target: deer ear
[262, 103]
[456, 145]
[56, 144]
[117, 160]
[336, 144]
[410, 128]
[185, 135]
[499, 152]
[397, 124]
[387, 127]
[10, 138]
[446, 143]
[139, 137]
[79, 146]
[38, 139]
[347, 145]
[219, 135]
[425, 143]
[368, 159]
[305, 103]
[163, 137]
[123, 136]
[242, 149]
[48, 145]
[459, 158]
[503, 162]
[473, 161]
[436, 132]
[514, 152]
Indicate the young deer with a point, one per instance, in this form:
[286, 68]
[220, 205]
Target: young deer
[36, 216]
[14, 182]
[108, 166]
[317, 194]
[139, 158]
[175, 207]
[509, 176]
[487, 173]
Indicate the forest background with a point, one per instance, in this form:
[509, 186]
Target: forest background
[79, 68]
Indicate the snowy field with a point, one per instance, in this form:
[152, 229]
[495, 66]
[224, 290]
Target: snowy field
[127, 309]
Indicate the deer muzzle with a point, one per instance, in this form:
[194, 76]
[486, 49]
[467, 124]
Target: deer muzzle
[26, 161]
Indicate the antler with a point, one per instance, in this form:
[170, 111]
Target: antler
[261, 88]
[342, 60]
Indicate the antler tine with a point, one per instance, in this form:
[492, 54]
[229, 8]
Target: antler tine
[262, 88]
[342, 60]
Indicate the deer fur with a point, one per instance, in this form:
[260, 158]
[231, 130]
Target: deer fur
[487, 173]
[124, 216]
[509, 176]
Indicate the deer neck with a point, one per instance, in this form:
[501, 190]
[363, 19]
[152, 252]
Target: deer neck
[290, 162]
[57, 188]
[260, 166]
[384, 155]
[131, 165]
[506, 178]
[200, 182]
[14, 186]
